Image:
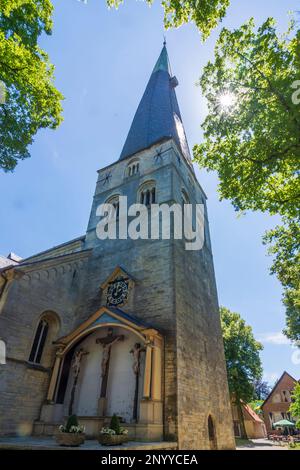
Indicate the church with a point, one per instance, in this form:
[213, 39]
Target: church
[121, 326]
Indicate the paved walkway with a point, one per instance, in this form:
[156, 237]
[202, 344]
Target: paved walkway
[48, 443]
[261, 444]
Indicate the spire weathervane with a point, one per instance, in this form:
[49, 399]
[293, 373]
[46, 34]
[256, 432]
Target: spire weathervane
[165, 41]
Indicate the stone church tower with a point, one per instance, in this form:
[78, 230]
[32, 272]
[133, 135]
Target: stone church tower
[96, 327]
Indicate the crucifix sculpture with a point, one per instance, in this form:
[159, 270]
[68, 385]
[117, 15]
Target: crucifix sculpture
[75, 366]
[136, 366]
[107, 343]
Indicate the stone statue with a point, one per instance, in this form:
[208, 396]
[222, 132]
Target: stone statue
[136, 352]
[107, 343]
[75, 366]
[76, 361]
[136, 366]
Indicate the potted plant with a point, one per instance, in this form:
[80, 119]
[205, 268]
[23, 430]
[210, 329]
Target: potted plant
[114, 435]
[71, 434]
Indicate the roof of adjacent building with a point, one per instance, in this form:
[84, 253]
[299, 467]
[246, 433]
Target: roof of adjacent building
[10, 260]
[59, 253]
[71, 246]
[254, 416]
[276, 385]
[158, 116]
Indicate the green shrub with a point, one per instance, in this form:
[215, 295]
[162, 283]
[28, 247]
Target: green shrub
[72, 421]
[115, 424]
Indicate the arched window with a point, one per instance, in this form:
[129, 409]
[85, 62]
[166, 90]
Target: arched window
[42, 349]
[39, 342]
[133, 168]
[147, 194]
[114, 200]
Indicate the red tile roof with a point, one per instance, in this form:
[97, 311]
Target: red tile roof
[252, 413]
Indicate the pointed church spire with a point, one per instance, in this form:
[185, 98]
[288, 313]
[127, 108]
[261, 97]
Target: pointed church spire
[163, 61]
[158, 116]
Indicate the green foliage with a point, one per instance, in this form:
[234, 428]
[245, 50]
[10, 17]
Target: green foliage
[253, 140]
[256, 406]
[295, 405]
[254, 145]
[241, 354]
[115, 424]
[72, 421]
[206, 14]
[285, 247]
[261, 389]
[32, 102]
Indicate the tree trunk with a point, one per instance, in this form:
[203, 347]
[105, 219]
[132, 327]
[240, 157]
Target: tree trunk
[241, 419]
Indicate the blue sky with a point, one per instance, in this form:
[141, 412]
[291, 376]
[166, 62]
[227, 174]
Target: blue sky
[103, 61]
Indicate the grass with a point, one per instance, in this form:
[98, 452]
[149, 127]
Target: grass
[297, 447]
[243, 442]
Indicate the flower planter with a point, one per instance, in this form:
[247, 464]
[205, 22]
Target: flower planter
[112, 440]
[70, 439]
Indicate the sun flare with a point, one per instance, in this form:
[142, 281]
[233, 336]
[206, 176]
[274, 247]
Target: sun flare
[226, 101]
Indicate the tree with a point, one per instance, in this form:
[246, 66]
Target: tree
[285, 248]
[261, 389]
[206, 14]
[256, 406]
[295, 405]
[31, 101]
[242, 359]
[252, 137]
[252, 131]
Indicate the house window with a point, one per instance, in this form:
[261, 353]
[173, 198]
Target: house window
[271, 418]
[276, 398]
[39, 342]
[286, 396]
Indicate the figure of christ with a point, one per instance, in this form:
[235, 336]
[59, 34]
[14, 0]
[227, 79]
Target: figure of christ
[136, 366]
[107, 343]
[75, 366]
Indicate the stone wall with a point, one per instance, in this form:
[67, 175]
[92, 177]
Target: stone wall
[202, 378]
[23, 386]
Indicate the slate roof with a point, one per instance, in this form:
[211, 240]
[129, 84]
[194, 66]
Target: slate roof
[158, 116]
